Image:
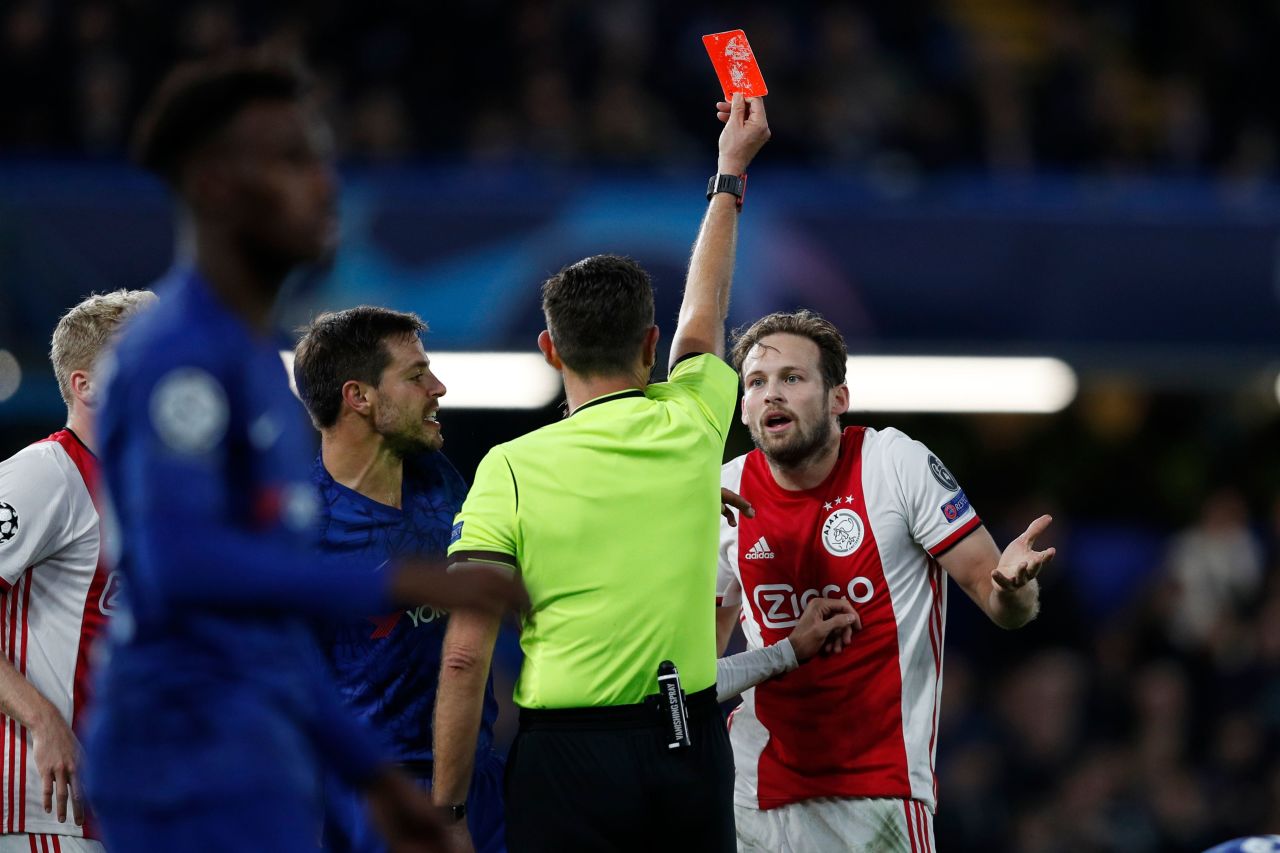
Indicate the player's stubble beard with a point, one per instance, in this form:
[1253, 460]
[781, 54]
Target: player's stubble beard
[805, 442]
[405, 433]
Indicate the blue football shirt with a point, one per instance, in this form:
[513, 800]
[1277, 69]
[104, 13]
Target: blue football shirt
[387, 664]
[214, 687]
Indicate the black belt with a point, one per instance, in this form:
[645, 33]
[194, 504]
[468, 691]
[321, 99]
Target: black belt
[640, 715]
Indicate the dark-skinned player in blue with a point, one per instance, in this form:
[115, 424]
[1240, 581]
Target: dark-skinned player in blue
[386, 490]
[216, 717]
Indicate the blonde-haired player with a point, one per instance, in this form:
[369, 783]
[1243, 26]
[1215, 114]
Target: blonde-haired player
[55, 595]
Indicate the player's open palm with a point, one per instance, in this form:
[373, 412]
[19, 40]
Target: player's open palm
[1021, 562]
[57, 756]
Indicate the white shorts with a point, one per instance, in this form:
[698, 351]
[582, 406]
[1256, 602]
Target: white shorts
[833, 824]
[30, 842]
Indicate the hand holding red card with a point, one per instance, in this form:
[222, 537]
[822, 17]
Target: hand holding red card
[735, 64]
[746, 130]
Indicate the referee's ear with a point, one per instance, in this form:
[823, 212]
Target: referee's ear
[549, 352]
[651, 347]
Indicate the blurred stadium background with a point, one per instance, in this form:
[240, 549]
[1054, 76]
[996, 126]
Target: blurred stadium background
[1091, 181]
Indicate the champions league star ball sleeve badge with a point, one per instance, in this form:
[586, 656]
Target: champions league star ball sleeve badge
[8, 522]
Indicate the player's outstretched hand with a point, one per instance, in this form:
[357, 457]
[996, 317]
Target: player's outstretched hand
[731, 500]
[746, 130]
[827, 625]
[464, 586]
[57, 757]
[405, 816]
[1021, 562]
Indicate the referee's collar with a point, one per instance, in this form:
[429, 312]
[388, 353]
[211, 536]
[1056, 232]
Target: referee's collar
[609, 398]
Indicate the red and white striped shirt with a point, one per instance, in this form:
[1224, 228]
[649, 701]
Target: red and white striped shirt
[862, 723]
[55, 596]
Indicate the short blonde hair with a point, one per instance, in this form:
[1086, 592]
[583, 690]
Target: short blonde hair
[85, 330]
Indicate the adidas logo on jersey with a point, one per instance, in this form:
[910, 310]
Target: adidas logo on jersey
[760, 551]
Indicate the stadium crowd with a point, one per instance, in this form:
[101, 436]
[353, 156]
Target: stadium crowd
[1006, 86]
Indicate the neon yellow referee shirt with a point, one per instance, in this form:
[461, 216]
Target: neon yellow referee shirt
[612, 516]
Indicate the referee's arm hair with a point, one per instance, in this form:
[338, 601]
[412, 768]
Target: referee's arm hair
[706, 293]
[464, 668]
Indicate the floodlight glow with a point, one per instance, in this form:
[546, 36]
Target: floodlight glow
[286, 355]
[495, 380]
[959, 384]
[10, 375]
[1278, 388]
[485, 380]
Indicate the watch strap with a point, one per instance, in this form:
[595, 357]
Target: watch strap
[735, 185]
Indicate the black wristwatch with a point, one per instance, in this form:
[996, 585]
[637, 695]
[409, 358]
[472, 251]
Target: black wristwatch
[735, 185]
[456, 812]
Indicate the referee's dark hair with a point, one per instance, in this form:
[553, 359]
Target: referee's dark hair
[340, 346]
[833, 355]
[598, 312]
[199, 99]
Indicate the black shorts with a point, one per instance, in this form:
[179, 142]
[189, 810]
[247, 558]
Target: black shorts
[603, 779]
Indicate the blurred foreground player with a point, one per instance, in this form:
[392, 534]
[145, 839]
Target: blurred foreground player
[216, 714]
[385, 491]
[610, 515]
[57, 594]
[838, 755]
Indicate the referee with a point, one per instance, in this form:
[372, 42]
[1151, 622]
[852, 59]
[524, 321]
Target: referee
[612, 518]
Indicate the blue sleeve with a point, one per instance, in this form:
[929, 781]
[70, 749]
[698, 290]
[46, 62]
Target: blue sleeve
[344, 742]
[182, 457]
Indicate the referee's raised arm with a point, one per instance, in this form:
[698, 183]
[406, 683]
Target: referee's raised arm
[610, 516]
[706, 293]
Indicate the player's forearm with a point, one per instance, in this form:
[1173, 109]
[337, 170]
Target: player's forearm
[21, 701]
[706, 293]
[195, 565]
[745, 670]
[1013, 609]
[464, 669]
[726, 618]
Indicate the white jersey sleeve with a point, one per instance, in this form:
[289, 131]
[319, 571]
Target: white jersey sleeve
[728, 584]
[935, 508]
[739, 672]
[35, 509]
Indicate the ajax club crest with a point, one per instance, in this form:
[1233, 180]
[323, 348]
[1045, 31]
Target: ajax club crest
[842, 532]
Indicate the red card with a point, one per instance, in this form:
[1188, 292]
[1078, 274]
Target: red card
[735, 64]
